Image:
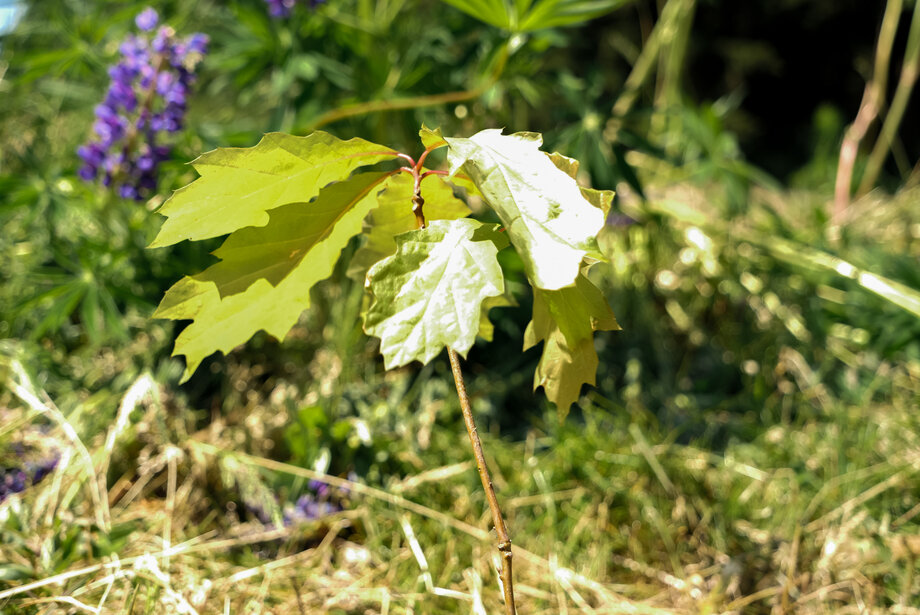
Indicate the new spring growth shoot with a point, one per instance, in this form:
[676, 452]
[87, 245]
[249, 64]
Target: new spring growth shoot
[290, 205]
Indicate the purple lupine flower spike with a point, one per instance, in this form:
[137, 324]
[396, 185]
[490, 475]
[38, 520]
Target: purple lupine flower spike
[147, 96]
[30, 472]
[283, 8]
[147, 19]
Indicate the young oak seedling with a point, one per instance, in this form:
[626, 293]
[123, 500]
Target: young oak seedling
[291, 204]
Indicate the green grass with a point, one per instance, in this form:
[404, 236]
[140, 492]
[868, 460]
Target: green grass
[806, 502]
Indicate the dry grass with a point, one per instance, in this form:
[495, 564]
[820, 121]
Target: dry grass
[676, 529]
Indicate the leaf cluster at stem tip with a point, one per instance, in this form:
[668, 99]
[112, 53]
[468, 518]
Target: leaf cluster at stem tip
[289, 205]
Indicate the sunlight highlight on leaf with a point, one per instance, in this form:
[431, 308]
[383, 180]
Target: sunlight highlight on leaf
[549, 221]
[238, 186]
[265, 280]
[430, 294]
[394, 216]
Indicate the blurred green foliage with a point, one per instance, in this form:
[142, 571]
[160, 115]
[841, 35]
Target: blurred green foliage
[760, 338]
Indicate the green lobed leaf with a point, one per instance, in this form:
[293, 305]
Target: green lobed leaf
[549, 221]
[430, 294]
[431, 137]
[565, 321]
[486, 328]
[264, 281]
[563, 370]
[239, 186]
[602, 199]
[274, 250]
[395, 216]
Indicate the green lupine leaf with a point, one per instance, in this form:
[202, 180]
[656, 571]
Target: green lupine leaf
[554, 13]
[430, 294]
[565, 321]
[494, 12]
[395, 216]
[239, 186]
[549, 221]
[265, 280]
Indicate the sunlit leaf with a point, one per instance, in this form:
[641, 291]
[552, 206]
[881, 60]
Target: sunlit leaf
[274, 250]
[549, 221]
[565, 321]
[602, 199]
[430, 294]
[265, 280]
[486, 328]
[527, 15]
[239, 186]
[431, 138]
[395, 216]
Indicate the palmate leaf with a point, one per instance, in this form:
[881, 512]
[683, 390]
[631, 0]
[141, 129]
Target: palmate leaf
[395, 216]
[239, 186]
[430, 294]
[527, 15]
[264, 281]
[554, 13]
[494, 12]
[565, 321]
[549, 221]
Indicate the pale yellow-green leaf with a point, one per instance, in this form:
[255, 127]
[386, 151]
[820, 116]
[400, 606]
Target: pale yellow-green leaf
[431, 138]
[549, 221]
[395, 216]
[565, 321]
[430, 293]
[296, 249]
[239, 186]
[486, 328]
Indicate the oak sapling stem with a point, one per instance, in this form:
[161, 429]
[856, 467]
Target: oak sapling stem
[504, 540]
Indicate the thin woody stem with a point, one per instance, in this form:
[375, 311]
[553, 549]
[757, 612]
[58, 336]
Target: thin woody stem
[504, 540]
[435, 172]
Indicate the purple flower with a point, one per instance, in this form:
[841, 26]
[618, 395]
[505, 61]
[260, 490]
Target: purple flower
[319, 488]
[283, 8]
[18, 479]
[43, 468]
[147, 19]
[308, 508]
[147, 96]
[197, 43]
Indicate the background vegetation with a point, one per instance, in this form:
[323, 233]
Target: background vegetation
[752, 445]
